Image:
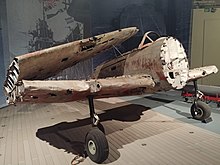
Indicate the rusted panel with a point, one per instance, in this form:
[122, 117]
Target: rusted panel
[66, 90]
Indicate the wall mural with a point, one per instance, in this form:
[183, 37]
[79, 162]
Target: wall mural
[56, 26]
[48, 24]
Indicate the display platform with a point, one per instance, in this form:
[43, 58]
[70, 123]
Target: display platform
[154, 129]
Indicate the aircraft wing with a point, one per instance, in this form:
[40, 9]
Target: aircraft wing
[72, 90]
[45, 63]
[201, 72]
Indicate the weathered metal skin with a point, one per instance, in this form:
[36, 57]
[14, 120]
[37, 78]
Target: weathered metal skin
[72, 90]
[164, 59]
[201, 72]
[149, 60]
[45, 63]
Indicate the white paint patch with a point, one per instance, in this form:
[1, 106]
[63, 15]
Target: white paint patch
[175, 63]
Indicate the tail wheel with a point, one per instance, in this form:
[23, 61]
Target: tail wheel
[200, 110]
[97, 146]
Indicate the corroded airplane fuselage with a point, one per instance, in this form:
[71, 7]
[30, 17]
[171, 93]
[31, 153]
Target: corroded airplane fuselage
[165, 60]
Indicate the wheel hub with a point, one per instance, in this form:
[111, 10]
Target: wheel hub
[92, 147]
[198, 112]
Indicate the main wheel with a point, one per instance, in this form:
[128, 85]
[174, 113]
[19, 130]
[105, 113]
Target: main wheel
[200, 111]
[97, 146]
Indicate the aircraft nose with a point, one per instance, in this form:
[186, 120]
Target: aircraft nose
[175, 62]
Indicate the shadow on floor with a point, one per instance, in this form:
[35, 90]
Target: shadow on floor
[161, 100]
[117, 124]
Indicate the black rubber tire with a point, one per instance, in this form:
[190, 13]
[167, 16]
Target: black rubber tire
[202, 112]
[100, 152]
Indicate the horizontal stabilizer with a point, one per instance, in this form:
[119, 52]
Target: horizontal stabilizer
[72, 90]
[201, 72]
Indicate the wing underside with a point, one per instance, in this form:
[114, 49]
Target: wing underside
[64, 91]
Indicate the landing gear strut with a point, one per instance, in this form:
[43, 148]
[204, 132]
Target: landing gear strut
[96, 144]
[199, 110]
[93, 115]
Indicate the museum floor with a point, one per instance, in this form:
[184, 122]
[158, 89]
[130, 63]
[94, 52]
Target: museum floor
[150, 130]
